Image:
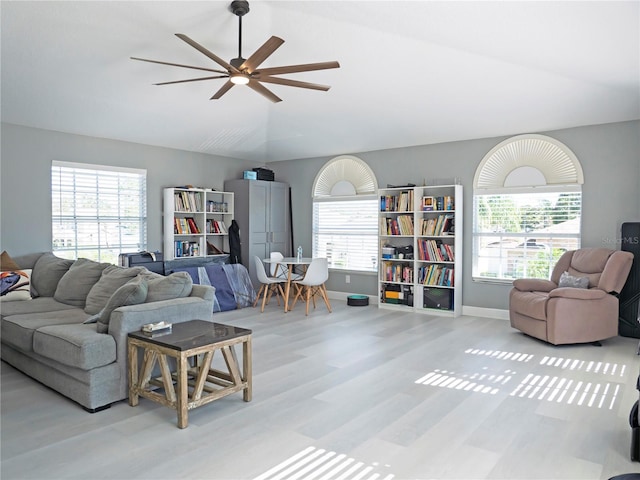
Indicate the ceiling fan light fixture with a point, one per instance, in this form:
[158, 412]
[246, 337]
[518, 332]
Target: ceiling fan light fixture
[239, 78]
[241, 71]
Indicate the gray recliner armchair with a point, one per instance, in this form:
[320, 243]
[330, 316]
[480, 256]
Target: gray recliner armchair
[558, 314]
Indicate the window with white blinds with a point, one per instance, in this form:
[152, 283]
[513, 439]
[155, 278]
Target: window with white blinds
[527, 205]
[523, 235]
[345, 231]
[97, 211]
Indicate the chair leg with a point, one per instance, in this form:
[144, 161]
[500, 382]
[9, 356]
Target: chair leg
[299, 289]
[264, 297]
[255, 302]
[323, 292]
[308, 292]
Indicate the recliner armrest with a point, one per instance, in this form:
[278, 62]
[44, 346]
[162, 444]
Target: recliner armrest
[534, 285]
[578, 293]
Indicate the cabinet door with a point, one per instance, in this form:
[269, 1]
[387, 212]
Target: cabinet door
[278, 218]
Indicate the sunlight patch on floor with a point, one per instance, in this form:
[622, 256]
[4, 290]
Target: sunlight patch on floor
[475, 382]
[500, 354]
[571, 392]
[318, 464]
[604, 368]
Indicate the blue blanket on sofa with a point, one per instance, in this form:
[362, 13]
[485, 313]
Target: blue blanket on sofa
[231, 281]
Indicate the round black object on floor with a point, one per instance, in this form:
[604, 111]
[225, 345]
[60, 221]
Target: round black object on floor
[358, 300]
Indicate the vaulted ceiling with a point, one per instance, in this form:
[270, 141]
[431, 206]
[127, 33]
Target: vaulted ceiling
[412, 73]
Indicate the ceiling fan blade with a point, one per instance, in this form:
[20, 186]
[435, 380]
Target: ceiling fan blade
[307, 67]
[208, 53]
[224, 89]
[292, 83]
[178, 65]
[264, 91]
[192, 80]
[261, 54]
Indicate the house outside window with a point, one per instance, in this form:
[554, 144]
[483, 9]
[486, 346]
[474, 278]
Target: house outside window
[345, 215]
[527, 208]
[97, 211]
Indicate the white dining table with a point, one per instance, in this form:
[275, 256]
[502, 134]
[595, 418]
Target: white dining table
[290, 263]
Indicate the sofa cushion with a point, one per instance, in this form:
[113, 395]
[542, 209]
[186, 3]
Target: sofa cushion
[176, 285]
[47, 272]
[131, 293]
[18, 330]
[74, 286]
[15, 285]
[111, 279]
[78, 346]
[7, 263]
[28, 260]
[37, 305]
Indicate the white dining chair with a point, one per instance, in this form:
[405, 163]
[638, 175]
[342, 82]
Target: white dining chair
[313, 284]
[268, 285]
[281, 269]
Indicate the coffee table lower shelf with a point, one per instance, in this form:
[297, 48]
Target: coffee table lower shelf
[194, 382]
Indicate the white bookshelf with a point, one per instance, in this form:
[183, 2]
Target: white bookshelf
[196, 222]
[420, 249]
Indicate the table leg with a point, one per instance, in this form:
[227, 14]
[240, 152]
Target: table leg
[247, 369]
[183, 392]
[287, 290]
[133, 374]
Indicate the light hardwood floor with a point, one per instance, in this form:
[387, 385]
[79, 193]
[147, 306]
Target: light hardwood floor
[360, 393]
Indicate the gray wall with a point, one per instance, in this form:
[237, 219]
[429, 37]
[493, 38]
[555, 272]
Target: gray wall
[609, 155]
[25, 170]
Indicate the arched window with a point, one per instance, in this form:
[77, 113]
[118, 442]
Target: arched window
[527, 206]
[345, 215]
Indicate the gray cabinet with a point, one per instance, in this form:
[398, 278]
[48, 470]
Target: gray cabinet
[262, 213]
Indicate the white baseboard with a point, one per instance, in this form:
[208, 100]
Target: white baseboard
[485, 312]
[466, 310]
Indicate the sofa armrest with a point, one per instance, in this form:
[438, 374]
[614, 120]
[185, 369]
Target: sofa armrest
[578, 293]
[534, 285]
[131, 318]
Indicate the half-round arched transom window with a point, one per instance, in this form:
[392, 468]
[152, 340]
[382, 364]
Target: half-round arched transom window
[345, 215]
[527, 208]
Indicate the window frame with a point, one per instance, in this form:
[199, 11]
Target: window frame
[346, 179]
[88, 222]
[560, 172]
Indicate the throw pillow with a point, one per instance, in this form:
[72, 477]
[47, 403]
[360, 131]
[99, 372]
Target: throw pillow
[132, 293]
[176, 285]
[74, 286]
[567, 280]
[112, 278]
[7, 263]
[47, 272]
[15, 285]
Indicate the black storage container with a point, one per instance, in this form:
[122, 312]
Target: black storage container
[628, 325]
[265, 174]
[152, 261]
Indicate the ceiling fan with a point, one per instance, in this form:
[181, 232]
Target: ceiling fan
[240, 71]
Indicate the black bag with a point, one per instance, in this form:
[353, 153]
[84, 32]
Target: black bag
[235, 246]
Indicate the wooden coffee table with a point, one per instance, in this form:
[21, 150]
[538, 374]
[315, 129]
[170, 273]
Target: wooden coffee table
[194, 382]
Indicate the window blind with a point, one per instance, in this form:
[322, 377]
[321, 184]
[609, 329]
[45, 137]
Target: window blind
[524, 234]
[97, 212]
[346, 233]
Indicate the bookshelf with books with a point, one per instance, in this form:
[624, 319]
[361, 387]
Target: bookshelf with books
[196, 222]
[396, 271]
[420, 238]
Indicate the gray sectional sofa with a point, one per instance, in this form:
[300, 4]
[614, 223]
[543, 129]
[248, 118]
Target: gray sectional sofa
[72, 334]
